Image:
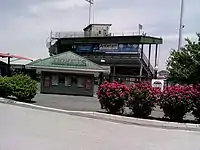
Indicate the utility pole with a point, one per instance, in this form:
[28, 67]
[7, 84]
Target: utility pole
[91, 2]
[198, 34]
[181, 25]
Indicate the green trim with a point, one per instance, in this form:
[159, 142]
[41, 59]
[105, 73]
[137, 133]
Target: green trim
[66, 60]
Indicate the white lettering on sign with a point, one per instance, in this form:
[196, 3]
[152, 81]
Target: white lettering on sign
[69, 62]
[108, 46]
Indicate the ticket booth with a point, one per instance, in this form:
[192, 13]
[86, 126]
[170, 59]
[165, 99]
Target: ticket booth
[67, 73]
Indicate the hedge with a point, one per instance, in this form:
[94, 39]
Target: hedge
[5, 86]
[20, 86]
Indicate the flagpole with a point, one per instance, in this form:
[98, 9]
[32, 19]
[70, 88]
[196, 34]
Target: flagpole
[181, 25]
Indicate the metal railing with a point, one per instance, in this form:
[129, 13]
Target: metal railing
[69, 34]
[146, 61]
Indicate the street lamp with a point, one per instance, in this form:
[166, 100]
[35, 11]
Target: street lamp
[198, 34]
[91, 2]
[181, 25]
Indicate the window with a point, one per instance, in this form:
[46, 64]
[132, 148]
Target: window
[88, 84]
[54, 80]
[46, 82]
[61, 79]
[68, 81]
[81, 82]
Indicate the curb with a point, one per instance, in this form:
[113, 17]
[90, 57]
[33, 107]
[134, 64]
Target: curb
[113, 118]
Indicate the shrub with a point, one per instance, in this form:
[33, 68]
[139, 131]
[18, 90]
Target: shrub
[142, 99]
[5, 87]
[196, 105]
[197, 86]
[24, 88]
[176, 101]
[112, 96]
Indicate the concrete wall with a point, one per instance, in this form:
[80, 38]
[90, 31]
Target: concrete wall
[100, 30]
[97, 31]
[68, 90]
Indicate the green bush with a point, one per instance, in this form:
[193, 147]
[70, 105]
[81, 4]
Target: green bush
[23, 87]
[5, 87]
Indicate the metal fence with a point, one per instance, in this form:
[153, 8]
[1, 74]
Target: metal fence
[69, 34]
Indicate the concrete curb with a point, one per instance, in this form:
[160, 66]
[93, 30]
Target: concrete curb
[114, 118]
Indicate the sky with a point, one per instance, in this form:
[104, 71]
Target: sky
[26, 24]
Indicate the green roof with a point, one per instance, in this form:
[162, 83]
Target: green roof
[67, 60]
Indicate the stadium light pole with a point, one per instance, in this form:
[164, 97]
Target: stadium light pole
[91, 2]
[181, 25]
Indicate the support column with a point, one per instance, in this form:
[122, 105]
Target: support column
[8, 69]
[113, 76]
[141, 62]
[100, 78]
[155, 65]
[149, 61]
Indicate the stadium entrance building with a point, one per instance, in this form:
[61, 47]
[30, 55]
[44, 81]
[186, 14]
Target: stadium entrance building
[125, 55]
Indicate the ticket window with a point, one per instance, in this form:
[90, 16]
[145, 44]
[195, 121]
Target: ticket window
[55, 80]
[80, 82]
[47, 82]
[88, 84]
[68, 81]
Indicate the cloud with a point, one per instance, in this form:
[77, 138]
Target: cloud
[25, 25]
[55, 5]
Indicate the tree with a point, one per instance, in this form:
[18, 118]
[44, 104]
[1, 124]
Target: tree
[184, 65]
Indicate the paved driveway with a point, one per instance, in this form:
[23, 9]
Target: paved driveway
[76, 103]
[29, 129]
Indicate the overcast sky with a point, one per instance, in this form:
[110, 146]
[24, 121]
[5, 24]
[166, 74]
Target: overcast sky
[25, 24]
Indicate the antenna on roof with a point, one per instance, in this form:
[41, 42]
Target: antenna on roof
[91, 2]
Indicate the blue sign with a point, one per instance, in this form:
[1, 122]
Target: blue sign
[84, 48]
[128, 48]
[108, 48]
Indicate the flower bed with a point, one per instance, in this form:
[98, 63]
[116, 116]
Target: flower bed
[141, 98]
[176, 101]
[113, 96]
[196, 105]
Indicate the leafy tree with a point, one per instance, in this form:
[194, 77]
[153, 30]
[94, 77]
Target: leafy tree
[184, 65]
